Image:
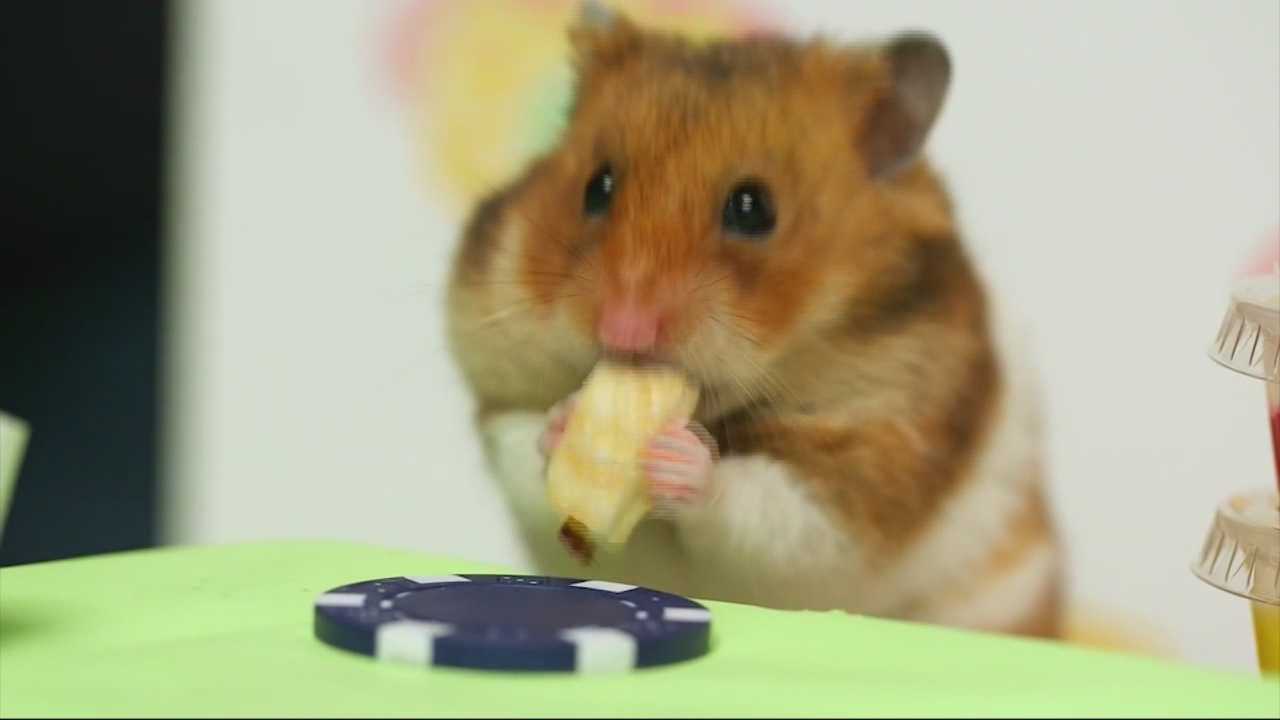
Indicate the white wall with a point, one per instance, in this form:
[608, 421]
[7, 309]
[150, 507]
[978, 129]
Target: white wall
[311, 394]
[1114, 161]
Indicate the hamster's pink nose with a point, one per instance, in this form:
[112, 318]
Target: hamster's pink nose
[627, 327]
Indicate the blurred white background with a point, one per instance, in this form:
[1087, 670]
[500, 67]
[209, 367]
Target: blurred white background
[1114, 162]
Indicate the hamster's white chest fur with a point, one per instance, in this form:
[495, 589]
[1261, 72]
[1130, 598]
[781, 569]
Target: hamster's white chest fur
[762, 538]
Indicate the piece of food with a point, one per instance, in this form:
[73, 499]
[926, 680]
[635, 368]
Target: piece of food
[595, 479]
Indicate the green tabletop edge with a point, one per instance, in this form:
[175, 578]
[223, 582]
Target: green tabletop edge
[226, 630]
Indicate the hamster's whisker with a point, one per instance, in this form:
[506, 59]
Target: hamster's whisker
[526, 305]
[771, 389]
[497, 283]
[773, 386]
[559, 238]
[743, 317]
[709, 284]
[535, 270]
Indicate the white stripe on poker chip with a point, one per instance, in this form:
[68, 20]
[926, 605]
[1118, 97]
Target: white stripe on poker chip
[340, 600]
[683, 614]
[605, 585]
[434, 579]
[409, 641]
[600, 649]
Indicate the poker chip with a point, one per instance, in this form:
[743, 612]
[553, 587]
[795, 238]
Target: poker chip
[513, 622]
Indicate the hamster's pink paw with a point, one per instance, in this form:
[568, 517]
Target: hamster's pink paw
[557, 419]
[678, 465]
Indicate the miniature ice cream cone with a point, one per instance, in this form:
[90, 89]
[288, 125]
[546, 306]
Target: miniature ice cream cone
[1241, 553]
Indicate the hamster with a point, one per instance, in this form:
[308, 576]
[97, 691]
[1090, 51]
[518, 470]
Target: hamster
[759, 213]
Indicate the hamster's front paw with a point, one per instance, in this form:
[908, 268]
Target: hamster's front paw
[678, 465]
[557, 419]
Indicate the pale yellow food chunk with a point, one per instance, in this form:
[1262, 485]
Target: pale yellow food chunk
[595, 479]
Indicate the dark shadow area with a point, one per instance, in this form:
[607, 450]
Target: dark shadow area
[82, 105]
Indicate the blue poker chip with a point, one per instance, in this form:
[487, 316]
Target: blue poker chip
[513, 622]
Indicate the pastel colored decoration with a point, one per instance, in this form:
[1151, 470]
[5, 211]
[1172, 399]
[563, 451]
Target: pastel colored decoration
[487, 83]
[1265, 258]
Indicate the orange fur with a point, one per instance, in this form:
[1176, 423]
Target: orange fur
[852, 343]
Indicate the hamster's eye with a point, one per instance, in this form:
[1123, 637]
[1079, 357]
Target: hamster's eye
[599, 192]
[749, 210]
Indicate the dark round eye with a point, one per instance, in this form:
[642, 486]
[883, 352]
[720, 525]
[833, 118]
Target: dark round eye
[749, 210]
[599, 192]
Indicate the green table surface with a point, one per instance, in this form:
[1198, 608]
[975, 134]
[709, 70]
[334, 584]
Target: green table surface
[226, 631]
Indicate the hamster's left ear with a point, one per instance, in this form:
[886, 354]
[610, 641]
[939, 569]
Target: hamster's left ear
[601, 35]
[919, 74]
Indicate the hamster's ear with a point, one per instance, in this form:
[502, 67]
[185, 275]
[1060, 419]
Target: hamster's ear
[919, 73]
[601, 35]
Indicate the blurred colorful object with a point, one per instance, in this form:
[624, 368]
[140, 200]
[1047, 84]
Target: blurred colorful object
[1265, 258]
[13, 443]
[488, 82]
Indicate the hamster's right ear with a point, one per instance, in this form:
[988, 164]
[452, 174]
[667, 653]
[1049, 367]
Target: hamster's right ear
[919, 70]
[601, 35]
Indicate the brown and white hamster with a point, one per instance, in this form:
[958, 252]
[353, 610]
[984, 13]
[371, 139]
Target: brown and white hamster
[758, 213]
